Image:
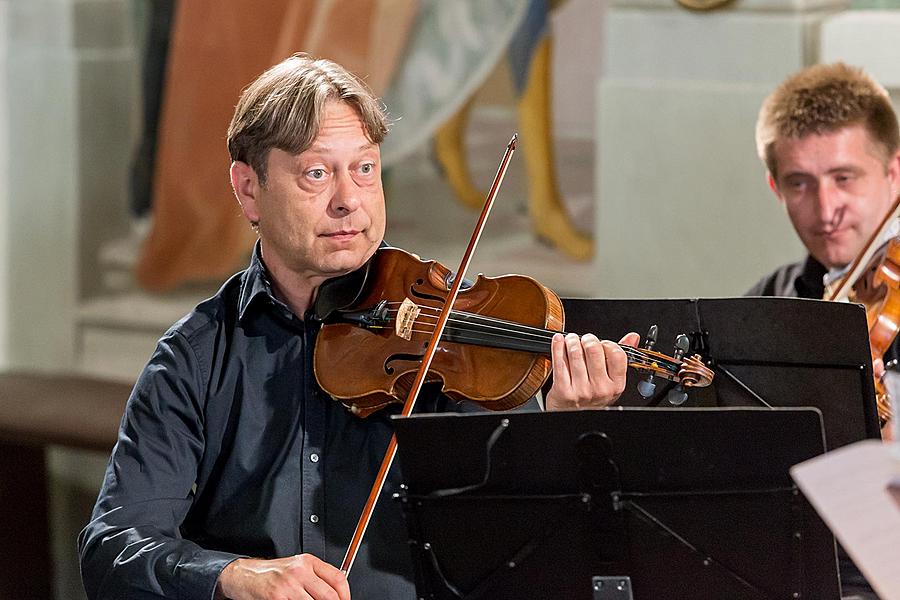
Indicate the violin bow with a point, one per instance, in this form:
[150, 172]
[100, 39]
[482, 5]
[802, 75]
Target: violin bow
[390, 453]
[859, 264]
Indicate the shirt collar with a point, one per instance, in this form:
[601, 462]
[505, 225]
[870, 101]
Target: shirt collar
[809, 284]
[255, 282]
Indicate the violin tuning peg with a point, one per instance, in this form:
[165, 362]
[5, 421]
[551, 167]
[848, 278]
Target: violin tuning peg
[650, 338]
[677, 396]
[646, 387]
[682, 345]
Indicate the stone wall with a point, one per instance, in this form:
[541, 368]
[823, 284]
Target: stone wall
[70, 96]
[68, 100]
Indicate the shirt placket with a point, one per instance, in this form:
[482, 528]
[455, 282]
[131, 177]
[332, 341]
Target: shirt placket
[312, 518]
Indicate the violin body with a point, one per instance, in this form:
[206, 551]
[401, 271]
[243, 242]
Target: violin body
[368, 355]
[879, 291]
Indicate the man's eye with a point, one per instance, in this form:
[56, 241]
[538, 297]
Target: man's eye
[367, 168]
[316, 173]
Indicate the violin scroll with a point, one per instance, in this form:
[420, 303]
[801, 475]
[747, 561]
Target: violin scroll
[694, 373]
[686, 372]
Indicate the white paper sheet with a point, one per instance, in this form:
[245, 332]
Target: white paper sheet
[856, 491]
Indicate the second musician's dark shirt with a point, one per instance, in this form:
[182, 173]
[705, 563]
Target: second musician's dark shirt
[801, 279]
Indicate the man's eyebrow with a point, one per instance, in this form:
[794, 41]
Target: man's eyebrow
[791, 174]
[836, 169]
[324, 149]
[851, 168]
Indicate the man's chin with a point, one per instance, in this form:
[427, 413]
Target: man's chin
[834, 258]
[341, 263]
[834, 264]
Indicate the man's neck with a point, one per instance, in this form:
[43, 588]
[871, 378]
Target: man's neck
[297, 291]
[298, 296]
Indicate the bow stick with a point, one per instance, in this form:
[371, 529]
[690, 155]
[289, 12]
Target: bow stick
[381, 477]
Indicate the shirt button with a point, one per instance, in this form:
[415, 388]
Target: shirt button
[314, 457]
[314, 518]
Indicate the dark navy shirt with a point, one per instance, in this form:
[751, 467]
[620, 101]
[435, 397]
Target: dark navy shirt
[229, 448]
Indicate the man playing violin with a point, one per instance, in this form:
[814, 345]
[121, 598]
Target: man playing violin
[829, 138]
[235, 475]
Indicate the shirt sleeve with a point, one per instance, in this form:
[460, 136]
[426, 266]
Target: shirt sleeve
[132, 547]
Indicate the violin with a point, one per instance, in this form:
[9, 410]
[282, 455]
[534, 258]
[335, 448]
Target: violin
[873, 280]
[411, 322]
[494, 350]
[878, 290]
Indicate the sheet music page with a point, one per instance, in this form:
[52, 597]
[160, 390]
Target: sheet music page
[855, 490]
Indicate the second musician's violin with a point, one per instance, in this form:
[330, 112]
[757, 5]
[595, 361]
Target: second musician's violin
[494, 351]
[873, 280]
[878, 289]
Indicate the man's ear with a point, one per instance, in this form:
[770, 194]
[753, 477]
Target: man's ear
[245, 184]
[773, 186]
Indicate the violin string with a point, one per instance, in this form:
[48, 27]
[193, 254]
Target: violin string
[535, 332]
[473, 322]
[635, 359]
[508, 330]
[636, 356]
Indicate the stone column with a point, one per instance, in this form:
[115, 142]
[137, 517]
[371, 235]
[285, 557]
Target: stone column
[68, 99]
[41, 208]
[683, 207]
[5, 291]
[69, 76]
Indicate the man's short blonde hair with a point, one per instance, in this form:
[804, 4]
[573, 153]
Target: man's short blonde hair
[823, 99]
[284, 106]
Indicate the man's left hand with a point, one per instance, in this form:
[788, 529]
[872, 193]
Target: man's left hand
[587, 372]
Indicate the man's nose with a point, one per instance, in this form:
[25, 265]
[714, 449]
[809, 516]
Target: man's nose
[346, 194]
[828, 204]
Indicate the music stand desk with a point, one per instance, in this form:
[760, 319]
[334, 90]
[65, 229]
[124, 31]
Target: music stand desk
[689, 503]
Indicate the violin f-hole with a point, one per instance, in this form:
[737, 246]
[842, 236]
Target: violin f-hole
[396, 358]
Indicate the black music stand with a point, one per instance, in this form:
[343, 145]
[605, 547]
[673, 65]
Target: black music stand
[764, 352]
[686, 503]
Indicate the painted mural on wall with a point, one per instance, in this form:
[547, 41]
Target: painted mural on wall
[426, 57]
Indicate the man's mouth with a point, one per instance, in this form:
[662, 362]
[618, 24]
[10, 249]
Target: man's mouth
[343, 234]
[832, 233]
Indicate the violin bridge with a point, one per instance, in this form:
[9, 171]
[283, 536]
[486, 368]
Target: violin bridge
[406, 318]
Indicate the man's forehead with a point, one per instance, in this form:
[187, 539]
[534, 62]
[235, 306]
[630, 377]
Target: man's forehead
[337, 113]
[341, 122]
[826, 150]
